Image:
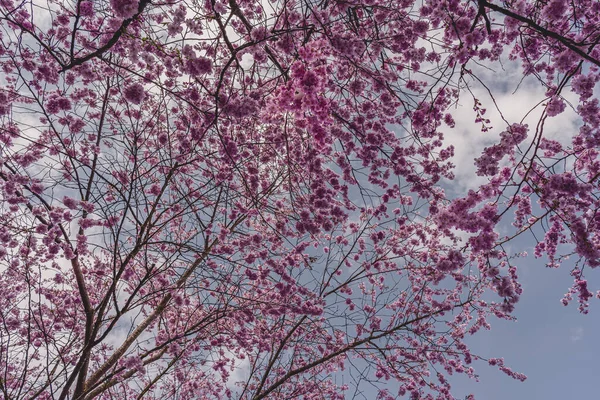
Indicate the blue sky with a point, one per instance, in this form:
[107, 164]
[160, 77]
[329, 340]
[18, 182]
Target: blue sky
[555, 346]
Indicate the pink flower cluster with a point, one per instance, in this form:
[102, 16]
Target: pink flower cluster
[125, 9]
[134, 93]
[57, 103]
[452, 262]
[487, 163]
[555, 106]
[86, 8]
[198, 66]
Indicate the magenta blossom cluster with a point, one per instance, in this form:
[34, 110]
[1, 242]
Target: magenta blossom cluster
[134, 93]
[123, 8]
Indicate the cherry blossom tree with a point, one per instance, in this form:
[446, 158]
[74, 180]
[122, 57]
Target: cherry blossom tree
[243, 199]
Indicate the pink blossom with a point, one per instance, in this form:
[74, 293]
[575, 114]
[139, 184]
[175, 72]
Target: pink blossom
[125, 9]
[86, 8]
[57, 103]
[259, 33]
[70, 203]
[198, 66]
[134, 93]
[584, 85]
[555, 106]
[555, 9]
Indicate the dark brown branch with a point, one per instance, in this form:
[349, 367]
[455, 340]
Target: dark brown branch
[343, 350]
[111, 42]
[568, 43]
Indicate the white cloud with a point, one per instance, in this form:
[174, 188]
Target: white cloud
[518, 100]
[576, 334]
